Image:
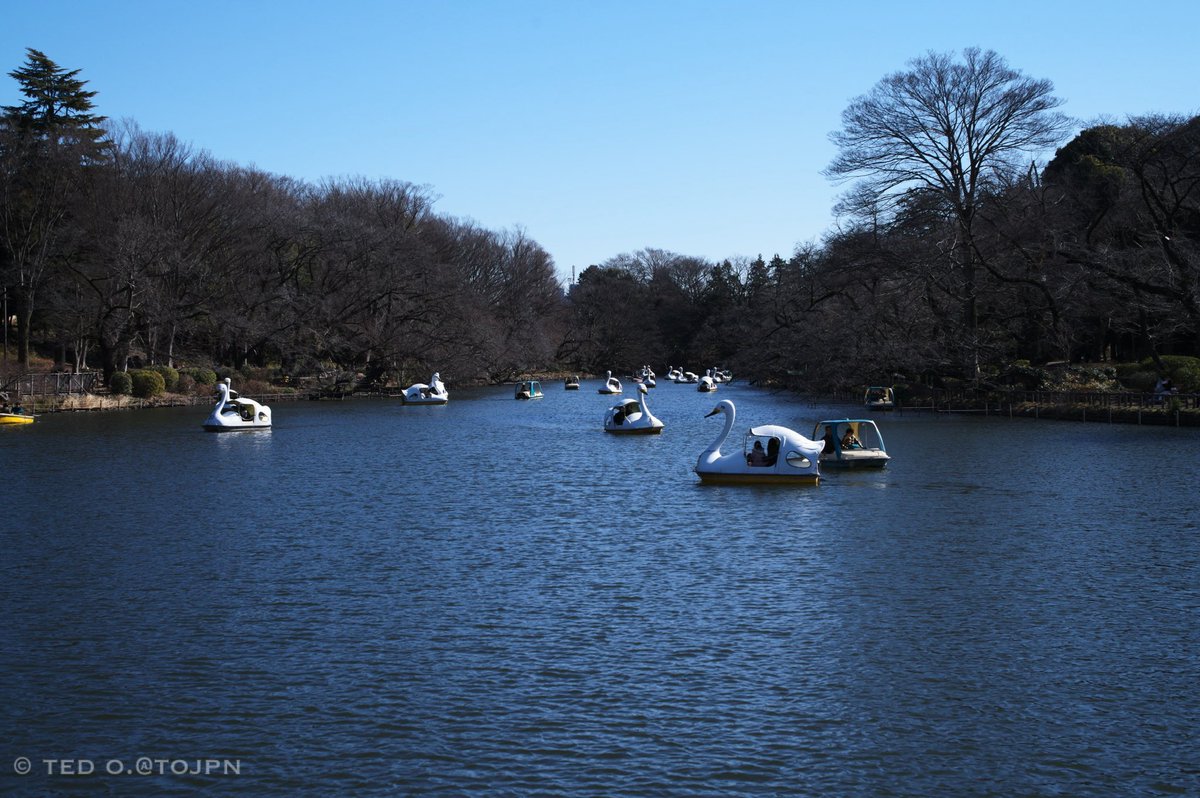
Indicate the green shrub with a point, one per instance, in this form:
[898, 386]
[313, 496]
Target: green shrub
[1030, 378]
[1143, 381]
[120, 384]
[202, 375]
[1183, 370]
[1187, 377]
[147, 383]
[170, 376]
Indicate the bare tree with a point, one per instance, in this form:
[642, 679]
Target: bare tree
[953, 130]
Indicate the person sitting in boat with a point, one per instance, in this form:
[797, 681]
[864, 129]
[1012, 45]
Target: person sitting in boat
[830, 443]
[772, 451]
[757, 456]
[850, 440]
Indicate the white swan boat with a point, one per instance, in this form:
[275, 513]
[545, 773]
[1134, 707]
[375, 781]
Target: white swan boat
[851, 443]
[632, 418]
[571, 383]
[674, 374]
[611, 385]
[689, 377]
[421, 394]
[235, 413]
[528, 389]
[770, 455]
[706, 384]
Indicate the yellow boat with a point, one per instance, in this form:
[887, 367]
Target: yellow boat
[16, 418]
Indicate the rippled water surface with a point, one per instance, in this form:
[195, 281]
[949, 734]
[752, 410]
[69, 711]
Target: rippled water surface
[495, 598]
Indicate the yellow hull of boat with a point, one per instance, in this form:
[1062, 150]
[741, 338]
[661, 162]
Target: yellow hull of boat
[758, 479]
[13, 418]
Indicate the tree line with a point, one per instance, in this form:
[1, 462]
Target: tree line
[956, 256]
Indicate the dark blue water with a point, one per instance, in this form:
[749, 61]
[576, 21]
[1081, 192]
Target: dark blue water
[495, 598]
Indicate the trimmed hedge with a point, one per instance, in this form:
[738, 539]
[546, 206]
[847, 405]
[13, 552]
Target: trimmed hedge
[202, 376]
[147, 383]
[120, 384]
[170, 376]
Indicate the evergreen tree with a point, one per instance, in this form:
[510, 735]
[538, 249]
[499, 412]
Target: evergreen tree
[47, 144]
[57, 109]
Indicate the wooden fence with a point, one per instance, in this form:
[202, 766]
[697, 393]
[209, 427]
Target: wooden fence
[52, 384]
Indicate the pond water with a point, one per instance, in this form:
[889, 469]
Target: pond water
[494, 597]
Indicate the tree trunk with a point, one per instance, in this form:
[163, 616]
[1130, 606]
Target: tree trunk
[24, 314]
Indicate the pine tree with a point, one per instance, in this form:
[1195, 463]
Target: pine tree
[47, 145]
[57, 108]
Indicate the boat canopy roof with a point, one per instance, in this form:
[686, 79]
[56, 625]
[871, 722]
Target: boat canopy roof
[856, 425]
[783, 433]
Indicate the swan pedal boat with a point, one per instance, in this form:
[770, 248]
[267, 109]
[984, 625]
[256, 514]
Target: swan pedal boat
[571, 383]
[421, 394]
[706, 384]
[234, 413]
[611, 385]
[869, 452]
[528, 389]
[16, 418]
[789, 457]
[631, 418]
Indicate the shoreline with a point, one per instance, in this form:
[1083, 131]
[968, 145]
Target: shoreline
[1097, 408]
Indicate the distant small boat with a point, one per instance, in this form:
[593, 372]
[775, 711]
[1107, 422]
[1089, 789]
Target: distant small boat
[571, 383]
[879, 397]
[851, 443]
[528, 389]
[234, 413]
[13, 419]
[611, 385]
[706, 384]
[434, 393]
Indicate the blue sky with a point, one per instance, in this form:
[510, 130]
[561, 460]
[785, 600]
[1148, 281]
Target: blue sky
[599, 128]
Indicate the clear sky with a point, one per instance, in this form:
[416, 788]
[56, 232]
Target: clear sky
[599, 128]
